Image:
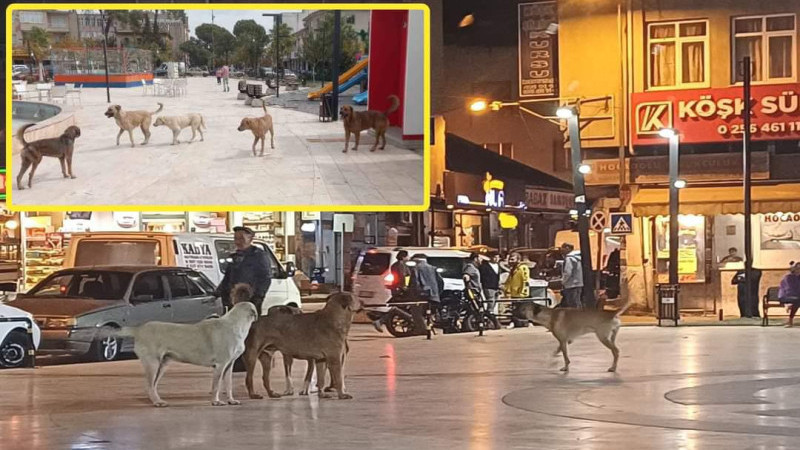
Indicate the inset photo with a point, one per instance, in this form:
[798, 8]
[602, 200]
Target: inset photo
[194, 106]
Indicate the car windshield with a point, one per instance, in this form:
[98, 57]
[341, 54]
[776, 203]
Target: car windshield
[98, 285]
[374, 263]
[449, 267]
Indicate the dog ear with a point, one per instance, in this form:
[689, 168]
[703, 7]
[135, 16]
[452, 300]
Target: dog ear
[117, 107]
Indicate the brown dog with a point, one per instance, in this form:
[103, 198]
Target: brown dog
[319, 336]
[32, 153]
[356, 122]
[128, 120]
[259, 126]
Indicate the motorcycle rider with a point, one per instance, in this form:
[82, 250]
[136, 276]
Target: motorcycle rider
[427, 279]
[401, 274]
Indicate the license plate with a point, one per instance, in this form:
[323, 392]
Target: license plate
[366, 294]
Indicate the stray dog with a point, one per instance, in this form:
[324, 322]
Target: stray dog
[320, 336]
[32, 153]
[178, 123]
[128, 120]
[356, 122]
[259, 126]
[567, 324]
[210, 343]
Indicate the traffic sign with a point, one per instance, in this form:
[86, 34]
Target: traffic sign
[621, 223]
[598, 221]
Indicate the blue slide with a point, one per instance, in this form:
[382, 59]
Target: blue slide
[360, 99]
[352, 81]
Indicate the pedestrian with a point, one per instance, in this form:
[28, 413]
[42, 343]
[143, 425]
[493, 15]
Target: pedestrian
[571, 277]
[490, 278]
[472, 274]
[400, 272]
[249, 265]
[517, 283]
[789, 291]
[426, 278]
[748, 305]
[226, 71]
[219, 75]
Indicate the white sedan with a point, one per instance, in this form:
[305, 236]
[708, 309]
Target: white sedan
[14, 340]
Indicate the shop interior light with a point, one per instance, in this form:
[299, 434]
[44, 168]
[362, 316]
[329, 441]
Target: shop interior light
[450, 206]
[565, 112]
[573, 212]
[12, 224]
[680, 184]
[667, 133]
[585, 169]
[466, 21]
[478, 105]
[308, 227]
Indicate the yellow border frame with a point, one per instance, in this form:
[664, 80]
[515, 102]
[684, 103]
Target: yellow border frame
[219, 6]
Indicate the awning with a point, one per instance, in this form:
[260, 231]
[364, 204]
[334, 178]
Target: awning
[709, 201]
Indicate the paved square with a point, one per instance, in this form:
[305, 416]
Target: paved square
[307, 166]
[684, 388]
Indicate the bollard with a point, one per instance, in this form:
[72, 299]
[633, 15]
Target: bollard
[428, 322]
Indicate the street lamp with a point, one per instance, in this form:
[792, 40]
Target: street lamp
[585, 169]
[277, 25]
[675, 185]
[478, 105]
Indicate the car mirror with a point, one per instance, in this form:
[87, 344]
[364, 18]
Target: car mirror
[290, 269]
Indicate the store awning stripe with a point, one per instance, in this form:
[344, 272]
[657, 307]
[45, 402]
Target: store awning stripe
[709, 201]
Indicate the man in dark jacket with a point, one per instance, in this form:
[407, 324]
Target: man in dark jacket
[490, 271]
[427, 278]
[249, 265]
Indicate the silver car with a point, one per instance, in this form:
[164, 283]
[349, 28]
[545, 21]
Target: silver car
[78, 309]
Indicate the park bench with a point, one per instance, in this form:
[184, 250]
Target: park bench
[770, 300]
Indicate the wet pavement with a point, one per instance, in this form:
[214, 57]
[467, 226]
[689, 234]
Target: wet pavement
[690, 387]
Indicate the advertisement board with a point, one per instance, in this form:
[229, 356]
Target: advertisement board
[538, 49]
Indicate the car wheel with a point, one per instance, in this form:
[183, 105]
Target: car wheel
[108, 347]
[14, 350]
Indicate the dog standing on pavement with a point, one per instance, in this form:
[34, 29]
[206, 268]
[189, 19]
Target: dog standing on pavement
[128, 120]
[178, 123]
[357, 121]
[210, 343]
[259, 126]
[567, 324]
[32, 153]
[320, 336]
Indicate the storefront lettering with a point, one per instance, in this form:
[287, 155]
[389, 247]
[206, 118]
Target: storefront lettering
[196, 248]
[777, 218]
[543, 199]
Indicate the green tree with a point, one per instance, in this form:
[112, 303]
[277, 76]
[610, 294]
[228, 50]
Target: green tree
[251, 38]
[37, 42]
[219, 39]
[285, 44]
[199, 54]
[318, 46]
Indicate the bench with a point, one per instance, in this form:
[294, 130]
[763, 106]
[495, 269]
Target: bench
[770, 300]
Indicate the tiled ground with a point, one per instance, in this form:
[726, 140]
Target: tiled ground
[307, 166]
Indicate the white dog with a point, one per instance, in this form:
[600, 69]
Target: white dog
[178, 123]
[211, 343]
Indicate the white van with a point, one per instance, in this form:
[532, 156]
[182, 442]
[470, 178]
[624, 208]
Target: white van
[206, 253]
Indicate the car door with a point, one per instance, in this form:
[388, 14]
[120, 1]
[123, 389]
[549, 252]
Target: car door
[149, 300]
[278, 290]
[190, 304]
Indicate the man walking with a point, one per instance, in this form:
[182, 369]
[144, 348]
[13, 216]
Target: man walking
[571, 277]
[490, 278]
[226, 71]
[249, 265]
[427, 279]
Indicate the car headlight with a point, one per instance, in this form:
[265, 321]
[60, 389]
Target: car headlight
[60, 323]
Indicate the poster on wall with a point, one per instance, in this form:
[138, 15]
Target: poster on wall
[538, 49]
[780, 231]
[691, 248]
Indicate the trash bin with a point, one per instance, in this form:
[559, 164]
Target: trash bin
[326, 108]
[668, 302]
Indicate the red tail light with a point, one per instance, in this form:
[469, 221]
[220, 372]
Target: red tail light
[388, 280]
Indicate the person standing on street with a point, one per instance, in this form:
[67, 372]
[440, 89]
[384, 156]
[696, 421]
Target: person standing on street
[472, 273]
[225, 72]
[249, 265]
[517, 283]
[490, 278]
[219, 75]
[400, 272]
[571, 277]
[427, 279]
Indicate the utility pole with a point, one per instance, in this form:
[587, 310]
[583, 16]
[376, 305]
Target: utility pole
[337, 32]
[106, 26]
[213, 42]
[748, 226]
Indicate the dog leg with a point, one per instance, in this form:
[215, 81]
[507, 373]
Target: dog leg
[202, 136]
[383, 137]
[254, 146]
[321, 367]
[263, 142]
[272, 137]
[607, 340]
[154, 374]
[358, 140]
[119, 135]
[250, 357]
[63, 161]
[219, 373]
[337, 381]
[346, 140]
[33, 170]
[175, 134]
[130, 134]
[266, 368]
[193, 134]
[26, 163]
[145, 130]
[307, 380]
[69, 165]
[229, 382]
[563, 346]
[287, 370]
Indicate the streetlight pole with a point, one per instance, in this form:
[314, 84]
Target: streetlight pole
[337, 32]
[579, 186]
[748, 206]
[674, 203]
[213, 44]
[106, 26]
[276, 24]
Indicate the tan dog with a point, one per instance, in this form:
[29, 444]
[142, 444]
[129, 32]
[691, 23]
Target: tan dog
[320, 336]
[128, 120]
[567, 324]
[259, 126]
[178, 123]
[32, 153]
[210, 343]
[356, 122]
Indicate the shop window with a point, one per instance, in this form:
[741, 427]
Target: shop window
[691, 248]
[770, 42]
[32, 17]
[678, 54]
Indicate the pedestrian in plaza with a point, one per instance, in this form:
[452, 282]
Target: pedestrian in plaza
[249, 265]
[219, 75]
[400, 272]
[426, 279]
[516, 285]
[226, 72]
[789, 291]
[748, 305]
[472, 274]
[490, 278]
[571, 277]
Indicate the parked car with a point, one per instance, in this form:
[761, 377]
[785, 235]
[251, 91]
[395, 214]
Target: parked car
[15, 342]
[197, 72]
[78, 309]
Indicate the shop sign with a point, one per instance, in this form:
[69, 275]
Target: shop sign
[544, 199]
[538, 49]
[197, 255]
[494, 194]
[715, 115]
[780, 231]
[125, 219]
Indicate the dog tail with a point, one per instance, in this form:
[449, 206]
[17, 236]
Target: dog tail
[264, 105]
[21, 133]
[241, 292]
[395, 104]
[160, 107]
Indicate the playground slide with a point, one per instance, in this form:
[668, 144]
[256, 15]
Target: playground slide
[358, 67]
[353, 81]
[360, 99]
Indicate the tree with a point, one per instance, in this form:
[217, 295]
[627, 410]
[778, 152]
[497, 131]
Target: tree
[219, 39]
[318, 46]
[251, 38]
[38, 43]
[285, 43]
[199, 54]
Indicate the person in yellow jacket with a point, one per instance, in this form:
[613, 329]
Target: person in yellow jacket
[516, 285]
